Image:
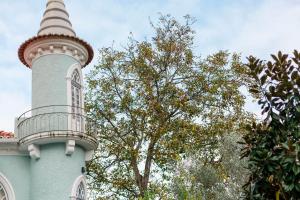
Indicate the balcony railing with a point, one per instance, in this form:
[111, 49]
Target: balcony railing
[55, 118]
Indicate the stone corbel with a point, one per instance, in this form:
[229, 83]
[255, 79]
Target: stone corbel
[70, 147]
[34, 151]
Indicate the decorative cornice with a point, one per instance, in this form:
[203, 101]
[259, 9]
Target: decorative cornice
[10, 147]
[42, 45]
[84, 140]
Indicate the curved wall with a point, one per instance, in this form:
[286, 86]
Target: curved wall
[53, 175]
[49, 84]
[16, 170]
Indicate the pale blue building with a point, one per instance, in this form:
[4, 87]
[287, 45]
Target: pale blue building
[46, 158]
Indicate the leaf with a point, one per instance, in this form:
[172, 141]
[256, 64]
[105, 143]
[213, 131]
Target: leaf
[289, 187]
[296, 169]
[297, 187]
[275, 58]
[254, 90]
[263, 79]
[296, 54]
[272, 89]
[294, 75]
[285, 145]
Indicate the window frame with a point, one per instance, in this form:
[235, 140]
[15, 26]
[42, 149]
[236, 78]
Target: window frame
[79, 180]
[7, 187]
[3, 190]
[76, 93]
[69, 75]
[76, 124]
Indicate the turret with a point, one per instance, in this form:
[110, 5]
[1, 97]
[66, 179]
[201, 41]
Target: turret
[56, 132]
[56, 57]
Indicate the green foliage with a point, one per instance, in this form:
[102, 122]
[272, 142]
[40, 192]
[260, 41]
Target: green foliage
[147, 196]
[273, 146]
[215, 176]
[155, 101]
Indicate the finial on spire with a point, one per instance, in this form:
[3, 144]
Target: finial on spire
[56, 20]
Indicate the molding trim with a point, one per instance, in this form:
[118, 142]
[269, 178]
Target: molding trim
[70, 147]
[10, 147]
[34, 151]
[61, 46]
[54, 37]
[8, 187]
[75, 186]
[68, 77]
[83, 140]
[71, 70]
[12, 152]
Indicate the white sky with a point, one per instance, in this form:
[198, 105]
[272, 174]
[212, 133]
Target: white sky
[258, 27]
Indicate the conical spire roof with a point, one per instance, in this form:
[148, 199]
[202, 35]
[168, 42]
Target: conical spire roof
[55, 36]
[56, 20]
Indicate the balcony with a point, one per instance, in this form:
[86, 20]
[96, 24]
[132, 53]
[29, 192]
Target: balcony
[56, 123]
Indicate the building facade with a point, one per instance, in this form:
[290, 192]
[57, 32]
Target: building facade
[45, 158]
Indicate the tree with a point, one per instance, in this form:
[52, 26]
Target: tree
[273, 146]
[215, 176]
[154, 100]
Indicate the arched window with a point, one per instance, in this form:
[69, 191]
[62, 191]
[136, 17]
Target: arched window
[80, 193]
[6, 191]
[76, 92]
[3, 193]
[77, 119]
[79, 189]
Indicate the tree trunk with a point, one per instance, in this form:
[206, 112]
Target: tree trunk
[143, 181]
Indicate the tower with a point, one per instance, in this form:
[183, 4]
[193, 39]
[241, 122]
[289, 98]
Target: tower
[56, 133]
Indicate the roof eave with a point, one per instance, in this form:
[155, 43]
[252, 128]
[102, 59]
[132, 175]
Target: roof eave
[55, 36]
